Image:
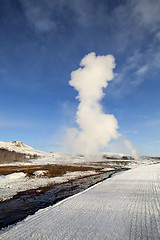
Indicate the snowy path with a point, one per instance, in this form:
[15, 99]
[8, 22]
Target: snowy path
[126, 206]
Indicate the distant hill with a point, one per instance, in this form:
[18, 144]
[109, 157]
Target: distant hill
[16, 151]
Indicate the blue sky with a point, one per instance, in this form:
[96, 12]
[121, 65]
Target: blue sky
[43, 41]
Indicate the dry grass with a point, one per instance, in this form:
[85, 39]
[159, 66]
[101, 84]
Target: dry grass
[7, 156]
[52, 170]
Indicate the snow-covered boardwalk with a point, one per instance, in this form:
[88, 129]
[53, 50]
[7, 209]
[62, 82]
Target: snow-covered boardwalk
[126, 206]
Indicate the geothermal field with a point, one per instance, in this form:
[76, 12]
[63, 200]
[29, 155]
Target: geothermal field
[77, 197]
[79, 120]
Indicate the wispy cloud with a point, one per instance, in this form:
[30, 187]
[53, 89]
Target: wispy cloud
[14, 124]
[39, 13]
[54, 144]
[9, 121]
[158, 35]
[135, 70]
[127, 25]
[142, 116]
[153, 122]
[137, 25]
[142, 70]
[130, 75]
[46, 15]
[147, 12]
[130, 132]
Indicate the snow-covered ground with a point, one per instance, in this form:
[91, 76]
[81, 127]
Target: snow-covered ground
[45, 158]
[16, 182]
[13, 183]
[124, 207]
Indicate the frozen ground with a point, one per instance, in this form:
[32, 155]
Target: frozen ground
[13, 183]
[16, 182]
[127, 206]
[45, 158]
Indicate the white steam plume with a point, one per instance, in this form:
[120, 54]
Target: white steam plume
[96, 129]
[133, 150]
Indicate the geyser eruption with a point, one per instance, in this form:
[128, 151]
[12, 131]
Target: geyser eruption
[95, 128]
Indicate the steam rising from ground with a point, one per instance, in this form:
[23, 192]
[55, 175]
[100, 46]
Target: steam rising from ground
[95, 128]
[133, 150]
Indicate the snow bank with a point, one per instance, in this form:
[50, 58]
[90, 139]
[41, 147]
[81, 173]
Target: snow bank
[12, 177]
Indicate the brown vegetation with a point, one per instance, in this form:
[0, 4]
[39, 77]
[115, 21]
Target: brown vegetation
[52, 170]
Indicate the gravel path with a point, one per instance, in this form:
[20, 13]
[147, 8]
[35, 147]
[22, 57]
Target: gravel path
[126, 206]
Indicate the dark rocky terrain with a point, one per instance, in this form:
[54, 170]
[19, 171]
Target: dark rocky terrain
[7, 156]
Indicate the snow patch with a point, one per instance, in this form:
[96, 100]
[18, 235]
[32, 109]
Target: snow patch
[12, 177]
[40, 173]
[108, 169]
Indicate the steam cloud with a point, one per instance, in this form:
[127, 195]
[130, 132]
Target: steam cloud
[133, 150]
[95, 129]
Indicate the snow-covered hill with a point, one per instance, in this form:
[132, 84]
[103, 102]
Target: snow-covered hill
[18, 147]
[17, 151]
